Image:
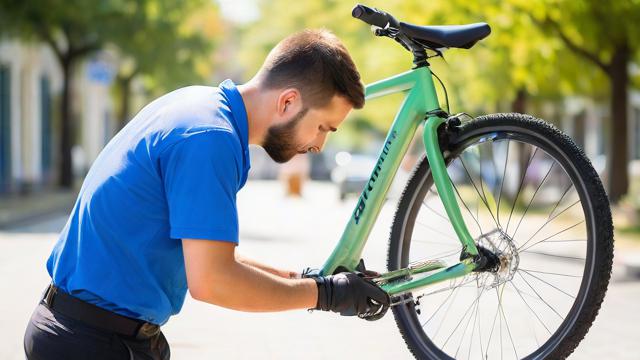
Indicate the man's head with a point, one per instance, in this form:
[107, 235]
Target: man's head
[315, 85]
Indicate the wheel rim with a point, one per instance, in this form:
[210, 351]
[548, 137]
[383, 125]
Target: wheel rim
[527, 262]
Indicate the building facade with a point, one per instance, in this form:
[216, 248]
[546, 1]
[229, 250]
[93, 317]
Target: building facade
[30, 94]
[586, 122]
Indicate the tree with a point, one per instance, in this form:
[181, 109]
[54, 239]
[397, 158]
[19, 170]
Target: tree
[165, 42]
[604, 34]
[73, 29]
[539, 52]
[514, 62]
[375, 58]
[152, 36]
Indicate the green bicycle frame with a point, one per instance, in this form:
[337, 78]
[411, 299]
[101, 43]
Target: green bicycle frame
[420, 99]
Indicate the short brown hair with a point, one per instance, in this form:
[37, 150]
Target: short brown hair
[317, 64]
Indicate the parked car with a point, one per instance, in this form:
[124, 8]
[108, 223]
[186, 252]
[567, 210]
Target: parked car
[352, 172]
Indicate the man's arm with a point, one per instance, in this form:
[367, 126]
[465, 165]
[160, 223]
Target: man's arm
[282, 273]
[215, 276]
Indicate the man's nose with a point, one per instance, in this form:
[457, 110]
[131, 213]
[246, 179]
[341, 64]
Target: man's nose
[318, 145]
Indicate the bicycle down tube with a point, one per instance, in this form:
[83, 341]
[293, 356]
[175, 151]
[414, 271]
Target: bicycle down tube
[420, 99]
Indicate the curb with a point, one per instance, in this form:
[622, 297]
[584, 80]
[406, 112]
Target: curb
[35, 206]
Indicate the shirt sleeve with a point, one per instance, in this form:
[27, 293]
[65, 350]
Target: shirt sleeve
[200, 176]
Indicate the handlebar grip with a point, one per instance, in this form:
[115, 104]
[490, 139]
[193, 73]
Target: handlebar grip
[373, 16]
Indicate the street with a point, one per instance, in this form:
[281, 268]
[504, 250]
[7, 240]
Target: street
[290, 234]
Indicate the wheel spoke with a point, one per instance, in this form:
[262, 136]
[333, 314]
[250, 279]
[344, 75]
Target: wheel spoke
[461, 285]
[484, 195]
[560, 200]
[548, 283]
[548, 273]
[473, 327]
[461, 319]
[530, 201]
[466, 327]
[540, 297]
[530, 308]
[446, 312]
[484, 200]
[520, 248]
[439, 307]
[553, 255]
[455, 188]
[493, 324]
[577, 240]
[449, 236]
[515, 200]
[424, 203]
[506, 322]
[444, 254]
[504, 172]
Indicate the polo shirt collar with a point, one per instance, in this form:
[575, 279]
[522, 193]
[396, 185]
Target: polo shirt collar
[239, 114]
[238, 110]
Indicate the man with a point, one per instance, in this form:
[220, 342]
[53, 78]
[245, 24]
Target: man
[156, 214]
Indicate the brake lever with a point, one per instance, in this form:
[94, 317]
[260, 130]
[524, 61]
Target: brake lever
[378, 31]
[390, 33]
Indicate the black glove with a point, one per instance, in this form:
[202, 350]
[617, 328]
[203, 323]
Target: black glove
[350, 293]
[313, 273]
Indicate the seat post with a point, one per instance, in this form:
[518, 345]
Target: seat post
[419, 58]
[418, 50]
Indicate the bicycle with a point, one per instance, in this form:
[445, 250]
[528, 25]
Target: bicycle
[483, 295]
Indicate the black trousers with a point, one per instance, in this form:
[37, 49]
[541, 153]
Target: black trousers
[51, 335]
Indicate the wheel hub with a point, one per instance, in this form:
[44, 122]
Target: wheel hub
[499, 258]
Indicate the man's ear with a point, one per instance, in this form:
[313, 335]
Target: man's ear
[289, 100]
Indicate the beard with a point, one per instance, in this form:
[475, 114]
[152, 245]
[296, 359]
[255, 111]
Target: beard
[279, 141]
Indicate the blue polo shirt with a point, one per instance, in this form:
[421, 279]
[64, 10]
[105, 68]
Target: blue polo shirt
[173, 172]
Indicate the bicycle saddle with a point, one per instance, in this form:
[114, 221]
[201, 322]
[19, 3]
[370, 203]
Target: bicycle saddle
[451, 36]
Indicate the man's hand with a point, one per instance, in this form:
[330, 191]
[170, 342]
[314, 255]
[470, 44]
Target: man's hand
[351, 294]
[311, 273]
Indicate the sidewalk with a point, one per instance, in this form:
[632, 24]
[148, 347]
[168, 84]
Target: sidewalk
[627, 246]
[19, 209]
[290, 233]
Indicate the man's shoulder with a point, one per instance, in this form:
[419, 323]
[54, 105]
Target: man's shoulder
[197, 106]
[195, 112]
[215, 141]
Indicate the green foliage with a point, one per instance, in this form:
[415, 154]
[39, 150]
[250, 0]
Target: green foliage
[154, 38]
[70, 26]
[159, 42]
[519, 54]
[165, 43]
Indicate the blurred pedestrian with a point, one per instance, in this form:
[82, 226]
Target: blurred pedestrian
[294, 173]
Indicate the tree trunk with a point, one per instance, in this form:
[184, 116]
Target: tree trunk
[124, 83]
[519, 104]
[66, 173]
[618, 154]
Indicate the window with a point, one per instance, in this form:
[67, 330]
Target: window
[5, 128]
[45, 126]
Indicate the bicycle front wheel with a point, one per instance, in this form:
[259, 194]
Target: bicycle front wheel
[536, 207]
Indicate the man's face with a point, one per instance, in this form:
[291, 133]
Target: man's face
[306, 130]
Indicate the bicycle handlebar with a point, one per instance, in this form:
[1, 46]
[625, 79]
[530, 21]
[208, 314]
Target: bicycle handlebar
[373, 16]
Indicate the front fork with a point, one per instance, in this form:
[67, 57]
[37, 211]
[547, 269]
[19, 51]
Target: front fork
[399, 282]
